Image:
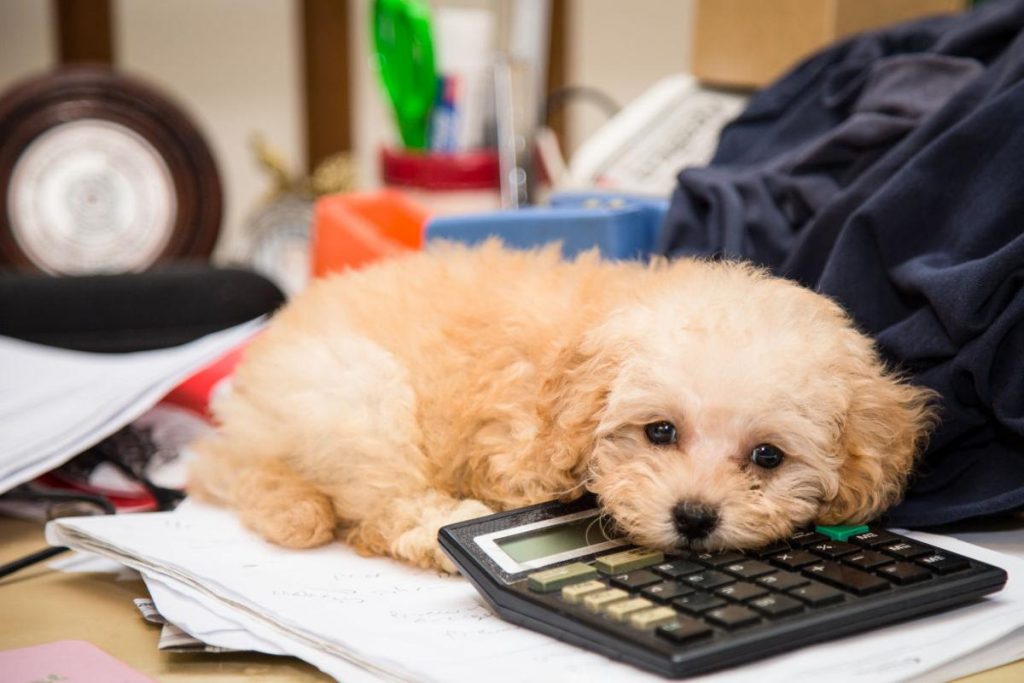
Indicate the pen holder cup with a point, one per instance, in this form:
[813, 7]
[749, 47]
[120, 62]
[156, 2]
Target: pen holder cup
[353, 229]
[444, 183]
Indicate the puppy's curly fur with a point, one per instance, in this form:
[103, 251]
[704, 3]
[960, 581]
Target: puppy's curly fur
[384, 403]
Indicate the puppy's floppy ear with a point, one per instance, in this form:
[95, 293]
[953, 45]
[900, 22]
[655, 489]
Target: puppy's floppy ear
[574, 401]
[887, 425]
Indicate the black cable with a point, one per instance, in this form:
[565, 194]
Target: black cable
[29, 560]
[34, 492]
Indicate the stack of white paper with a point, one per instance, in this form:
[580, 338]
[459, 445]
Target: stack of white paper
[56, 403]
[362, 618]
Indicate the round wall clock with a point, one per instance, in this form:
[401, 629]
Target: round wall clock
[101, 173]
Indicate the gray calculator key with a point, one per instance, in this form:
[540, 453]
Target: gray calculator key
[718, 560]
[817, 594]
[634, 580]
[782, 581]
[904, 573]
[905, 550]
[793, 559]
[943, 563]
[684, 631]
[847, 578]
[774, 606]
[742, 591]
[867, 559]
[697, 603]
[805, 538]
[677, 568]
[873, 539]
[708, 579]
[666, 591]
[733, 616]
[833, 549]
[748, 569]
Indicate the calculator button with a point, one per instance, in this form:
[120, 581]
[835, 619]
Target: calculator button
[733, 616]
[628, 560]
[717, 560]
[833, 549]
[553, 579]
[742, 591]
[775, 606]
[793, 559]
[867, 559]
[782, 581]
[666, 591]
[748, 569]
[847, 578]
[653, 617]
[707, 579]
[942, 563]
[817, 594]
[904, 573]
[674, 570]
[634, 580]
[598, 601]
[574, 593]
[873, 539]
[841, 533]
[802, 538]
[620, 610]
[696, 603]
[684, 631]
[905, 550]
[772, 549]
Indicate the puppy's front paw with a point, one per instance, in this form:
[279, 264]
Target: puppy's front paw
[468, 509]
[419, 544]
[419, 547]
[302, 523]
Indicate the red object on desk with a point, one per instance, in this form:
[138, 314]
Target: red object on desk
[356, 228]
[196, 392]
[472, 170]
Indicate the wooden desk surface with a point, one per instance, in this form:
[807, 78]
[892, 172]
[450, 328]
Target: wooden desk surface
[40, 605]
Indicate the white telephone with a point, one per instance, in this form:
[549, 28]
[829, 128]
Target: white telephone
[641, 149]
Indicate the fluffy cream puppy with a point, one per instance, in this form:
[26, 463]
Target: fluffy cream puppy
[706, 404]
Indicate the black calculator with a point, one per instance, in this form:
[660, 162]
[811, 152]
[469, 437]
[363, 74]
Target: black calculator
[559, 569]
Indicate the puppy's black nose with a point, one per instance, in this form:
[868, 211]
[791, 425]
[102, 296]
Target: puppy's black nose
[693, 520]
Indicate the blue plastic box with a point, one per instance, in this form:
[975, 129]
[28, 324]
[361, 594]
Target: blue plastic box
[620, 226]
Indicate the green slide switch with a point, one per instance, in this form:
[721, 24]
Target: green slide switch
[841, 533]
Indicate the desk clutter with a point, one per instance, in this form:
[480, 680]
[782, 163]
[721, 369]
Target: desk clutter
[360, 618]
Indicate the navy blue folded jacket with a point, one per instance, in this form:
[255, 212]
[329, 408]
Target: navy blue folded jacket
[887, 172]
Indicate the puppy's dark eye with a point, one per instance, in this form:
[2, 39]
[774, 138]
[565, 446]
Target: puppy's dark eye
[767, 456]
[661, 433]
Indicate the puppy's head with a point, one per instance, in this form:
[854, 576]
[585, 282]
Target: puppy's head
[738, 407]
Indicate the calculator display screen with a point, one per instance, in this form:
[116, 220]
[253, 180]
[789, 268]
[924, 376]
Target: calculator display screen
[555, 540]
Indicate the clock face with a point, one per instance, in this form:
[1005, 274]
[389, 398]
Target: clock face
[101, 173]
[90, 196]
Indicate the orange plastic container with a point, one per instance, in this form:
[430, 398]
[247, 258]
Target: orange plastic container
[353, 229]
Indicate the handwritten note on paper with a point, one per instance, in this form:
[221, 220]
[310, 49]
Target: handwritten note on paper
[404, 623]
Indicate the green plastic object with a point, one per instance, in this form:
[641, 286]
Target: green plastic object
[404, 46]
[841, 533]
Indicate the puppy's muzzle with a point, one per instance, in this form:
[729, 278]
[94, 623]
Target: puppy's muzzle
[694, 521]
